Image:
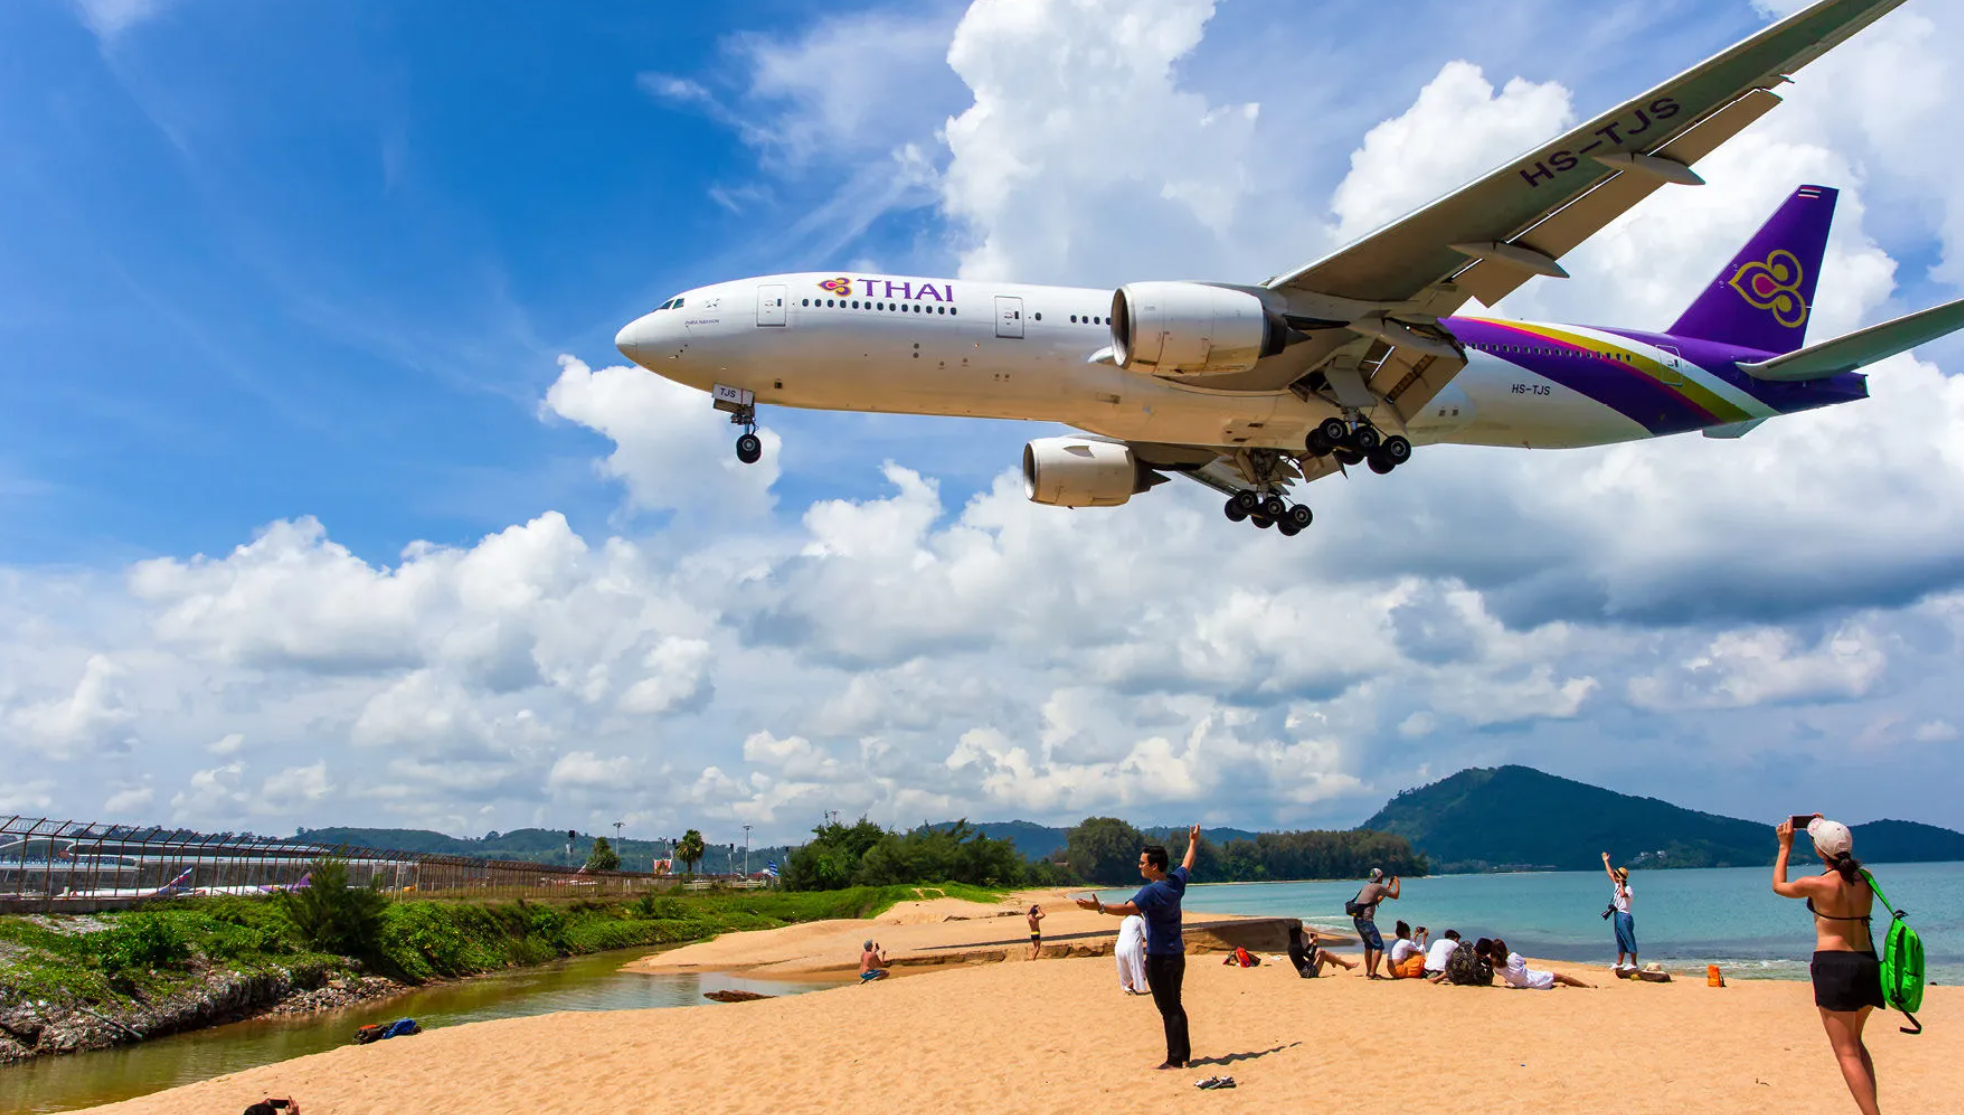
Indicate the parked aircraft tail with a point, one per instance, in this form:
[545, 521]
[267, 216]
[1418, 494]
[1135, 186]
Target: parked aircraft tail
[1764, 297]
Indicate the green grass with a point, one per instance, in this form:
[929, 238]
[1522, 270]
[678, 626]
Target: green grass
[139, 956]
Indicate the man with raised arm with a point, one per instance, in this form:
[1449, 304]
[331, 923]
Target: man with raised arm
[1166, 958]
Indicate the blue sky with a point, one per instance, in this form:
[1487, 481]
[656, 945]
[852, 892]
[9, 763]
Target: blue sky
[267, 262]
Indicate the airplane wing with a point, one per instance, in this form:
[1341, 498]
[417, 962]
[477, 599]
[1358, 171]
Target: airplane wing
[1231, 471]
[1490, 237]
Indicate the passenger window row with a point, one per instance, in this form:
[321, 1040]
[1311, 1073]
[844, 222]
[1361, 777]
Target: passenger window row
[885, 307]
[1537, 350]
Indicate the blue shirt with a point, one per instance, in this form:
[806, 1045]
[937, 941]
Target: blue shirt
[1159, 903]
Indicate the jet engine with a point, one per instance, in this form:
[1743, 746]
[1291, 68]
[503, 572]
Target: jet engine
[1192, 329]
[1075, 472]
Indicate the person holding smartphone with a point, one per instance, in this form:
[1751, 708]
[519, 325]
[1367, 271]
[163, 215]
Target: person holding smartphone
[1846, 972]
[1166, 957]
[1626, 923]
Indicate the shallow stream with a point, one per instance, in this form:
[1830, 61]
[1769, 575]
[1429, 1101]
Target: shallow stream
[582, 983]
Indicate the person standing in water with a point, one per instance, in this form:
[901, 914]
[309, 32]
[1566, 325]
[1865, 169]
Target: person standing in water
[1166, 958]
[1626, 924]
[1847, 974]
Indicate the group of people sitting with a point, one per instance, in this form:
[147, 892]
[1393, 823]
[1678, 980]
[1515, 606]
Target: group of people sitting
[1414, 955]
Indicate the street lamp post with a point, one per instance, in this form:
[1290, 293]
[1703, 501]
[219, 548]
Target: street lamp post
[746, 851]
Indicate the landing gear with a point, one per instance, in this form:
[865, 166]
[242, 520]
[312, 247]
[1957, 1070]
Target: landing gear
[741, 406]
[1268, 511]
[1356, 445]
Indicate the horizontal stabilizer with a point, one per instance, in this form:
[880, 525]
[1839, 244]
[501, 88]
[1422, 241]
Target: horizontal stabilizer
[1859, 349]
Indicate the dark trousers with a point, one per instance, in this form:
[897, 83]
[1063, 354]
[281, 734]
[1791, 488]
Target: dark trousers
[1164, 974]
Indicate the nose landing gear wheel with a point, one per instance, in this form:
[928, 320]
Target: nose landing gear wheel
[1235, 512]
[750, 449]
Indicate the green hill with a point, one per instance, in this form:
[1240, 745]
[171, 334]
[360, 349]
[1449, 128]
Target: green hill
[1518, 818]
[537, 846]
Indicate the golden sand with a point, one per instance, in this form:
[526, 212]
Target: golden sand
[1056, 1035]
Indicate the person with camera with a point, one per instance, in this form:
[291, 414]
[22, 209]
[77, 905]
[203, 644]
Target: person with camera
[1166, 958]
[1619, 912]
[1847, 973]
[1363, 911]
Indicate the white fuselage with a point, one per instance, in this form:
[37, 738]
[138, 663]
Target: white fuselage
[999, 350]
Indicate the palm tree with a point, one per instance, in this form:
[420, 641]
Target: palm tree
[690, 850]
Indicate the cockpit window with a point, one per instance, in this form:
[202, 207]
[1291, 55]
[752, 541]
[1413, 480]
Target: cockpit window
[671, 304]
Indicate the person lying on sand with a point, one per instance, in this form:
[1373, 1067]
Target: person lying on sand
[1517, 973]
[872, 963]
[1306, 953]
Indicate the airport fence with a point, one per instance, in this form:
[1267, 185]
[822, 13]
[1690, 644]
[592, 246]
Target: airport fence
[79, 866]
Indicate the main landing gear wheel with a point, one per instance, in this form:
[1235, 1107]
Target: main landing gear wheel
[750, 449]
[1395, 450]
[1248, 502]
[1234, 511]
[1334, 431]
[1287, 529]
[1380, 464]
[1262, 521]
[1365, 439]
[1299, 517]
[1274, 507]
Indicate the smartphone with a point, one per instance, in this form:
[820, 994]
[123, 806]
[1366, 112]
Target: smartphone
[1801, 821]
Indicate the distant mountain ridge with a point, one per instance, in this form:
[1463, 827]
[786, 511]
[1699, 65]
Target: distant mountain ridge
[1516, 817]
[536, 845]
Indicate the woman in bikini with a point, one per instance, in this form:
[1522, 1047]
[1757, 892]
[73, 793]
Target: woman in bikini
[1847, 973]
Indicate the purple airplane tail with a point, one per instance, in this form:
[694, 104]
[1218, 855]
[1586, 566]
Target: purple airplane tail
[1763, 298]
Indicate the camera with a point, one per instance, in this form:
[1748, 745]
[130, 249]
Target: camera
[1608, 910]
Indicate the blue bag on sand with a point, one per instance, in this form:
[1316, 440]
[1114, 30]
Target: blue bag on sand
[402, 1026]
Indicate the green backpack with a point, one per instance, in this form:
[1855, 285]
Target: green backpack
[1902, 963]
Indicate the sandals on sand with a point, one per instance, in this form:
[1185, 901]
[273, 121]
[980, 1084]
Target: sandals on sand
[1214, 1082]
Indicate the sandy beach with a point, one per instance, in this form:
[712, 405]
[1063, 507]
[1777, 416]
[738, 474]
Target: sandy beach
[1058, 1034]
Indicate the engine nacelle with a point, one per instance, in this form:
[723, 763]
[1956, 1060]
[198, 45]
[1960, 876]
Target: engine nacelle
[1074, 472]
[1192, 329]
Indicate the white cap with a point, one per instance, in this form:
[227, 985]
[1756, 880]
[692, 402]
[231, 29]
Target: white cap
[1377, 873]
[1831, 838]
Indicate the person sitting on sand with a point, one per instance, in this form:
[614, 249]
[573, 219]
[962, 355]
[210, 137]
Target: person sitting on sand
[1036, 932]
[1441, 951]
[1242, 957]
[1407, 956]
[872, 963]
[1131, 954]
[1363, 912]
[1516, 972]
[1471, 966]
[1307, 954]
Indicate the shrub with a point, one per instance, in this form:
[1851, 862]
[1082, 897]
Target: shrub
[139, 941]
[332, 916]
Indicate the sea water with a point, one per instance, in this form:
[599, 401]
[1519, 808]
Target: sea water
[1685, 919]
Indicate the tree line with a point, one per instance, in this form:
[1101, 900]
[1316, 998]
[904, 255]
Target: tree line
[1099, 850]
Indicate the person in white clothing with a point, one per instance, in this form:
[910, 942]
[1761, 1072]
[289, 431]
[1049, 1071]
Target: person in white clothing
[1517, 973]
[1407, 955]
[1440, 952]
[1131, 954]
[1619, 909]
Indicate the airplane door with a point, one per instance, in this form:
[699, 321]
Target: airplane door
[1673, 365]
[1009, 316]
[770, 304]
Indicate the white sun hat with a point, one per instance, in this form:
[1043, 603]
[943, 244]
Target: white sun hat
[1831, 838]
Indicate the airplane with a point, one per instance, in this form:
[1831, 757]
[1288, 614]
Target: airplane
[1355, 359]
